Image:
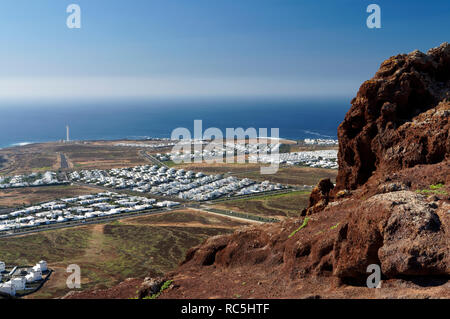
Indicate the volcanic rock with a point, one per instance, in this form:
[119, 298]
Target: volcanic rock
[398, 119]
[319, 197]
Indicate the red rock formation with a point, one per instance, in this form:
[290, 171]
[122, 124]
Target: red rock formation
[379, 133]
[320, 196]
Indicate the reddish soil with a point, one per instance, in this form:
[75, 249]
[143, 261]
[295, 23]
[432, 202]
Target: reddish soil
[390, 207]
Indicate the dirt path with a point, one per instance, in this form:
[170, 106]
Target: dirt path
[95, 243]
[227, 216]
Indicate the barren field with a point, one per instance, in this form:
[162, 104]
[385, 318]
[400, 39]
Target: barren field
[33, 195]
[186, 218]
[293, 175]
[3, 161]
[111, 253]
[41, 157]
[27, 161]
[279, 206]
[102, 157]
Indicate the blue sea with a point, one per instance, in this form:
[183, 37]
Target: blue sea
[31, 122]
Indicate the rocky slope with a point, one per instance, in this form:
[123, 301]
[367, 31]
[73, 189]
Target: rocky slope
[390, 206]
[388, 127]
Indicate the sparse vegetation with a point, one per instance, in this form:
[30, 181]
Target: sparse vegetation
[111, 253]
[436, 189]
[335, 226]
[305, 223]
[285, 205]
[165, 286]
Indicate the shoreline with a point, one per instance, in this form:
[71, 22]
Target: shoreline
[143, 139]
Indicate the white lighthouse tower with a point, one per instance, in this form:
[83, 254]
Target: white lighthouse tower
[67, 134]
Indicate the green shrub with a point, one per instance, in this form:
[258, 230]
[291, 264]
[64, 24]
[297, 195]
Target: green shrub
[163, 287]
[305, 222]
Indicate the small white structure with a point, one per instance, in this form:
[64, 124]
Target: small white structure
[8, 288]
[19, 283]
[43, 265]
[2, 266]
[34, 275]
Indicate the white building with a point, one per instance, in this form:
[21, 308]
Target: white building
[8, 288]
[19, 283]
[42, 265]
[34, 275]
[2, 266]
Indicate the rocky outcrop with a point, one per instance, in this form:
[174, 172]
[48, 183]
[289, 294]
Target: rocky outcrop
[398, 122]
[401, 231]
[320, 196]
[393, 142]
[150, 286]
[398, 119]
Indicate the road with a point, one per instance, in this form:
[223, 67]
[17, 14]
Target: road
[152, 159]
[64, 162]
[206, 210]
[184, 204]
[98, 220]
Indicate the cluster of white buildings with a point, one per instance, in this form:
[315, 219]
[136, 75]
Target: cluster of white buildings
[229, 186]
[34, 179]
[165, 181]
[79, 208]
[322, 159]
[265, 186]
[320, 141]
[217, 151]
[11, 283]
[149, 146]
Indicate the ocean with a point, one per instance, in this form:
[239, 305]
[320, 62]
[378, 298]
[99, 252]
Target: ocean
[31, 122]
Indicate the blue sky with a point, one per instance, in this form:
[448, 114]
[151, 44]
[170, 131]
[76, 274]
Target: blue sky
[206, 47]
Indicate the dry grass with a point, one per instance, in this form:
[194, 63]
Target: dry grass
[38, 157]
[89, 156]
[186, 218]
[279, 206]
[110, 253]
[293, 175]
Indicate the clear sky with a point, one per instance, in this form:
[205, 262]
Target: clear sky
[206, 47]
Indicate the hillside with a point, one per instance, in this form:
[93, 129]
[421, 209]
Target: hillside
[390, 207]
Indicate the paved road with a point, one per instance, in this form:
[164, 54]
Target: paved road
[152, 159]
[98, 220]
[101, 220]
[64, 163]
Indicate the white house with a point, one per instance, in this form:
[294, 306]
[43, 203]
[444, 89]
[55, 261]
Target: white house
[43, 265]
[34, 275]
[2, 266]
[19, 283]
[8, 288]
